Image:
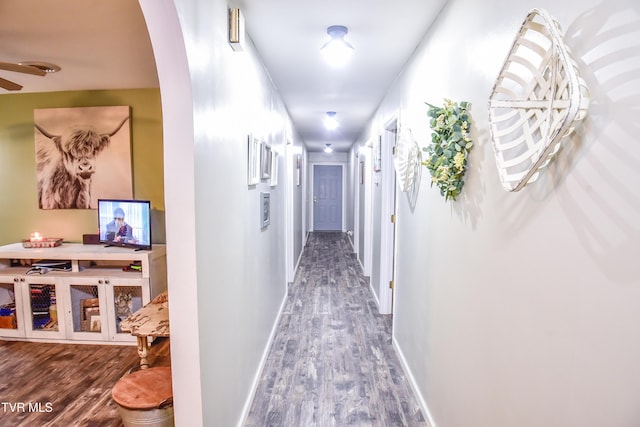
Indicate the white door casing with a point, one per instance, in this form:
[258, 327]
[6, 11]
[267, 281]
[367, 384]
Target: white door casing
[388, 215]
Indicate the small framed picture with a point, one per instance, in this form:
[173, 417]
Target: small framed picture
[254, 150]
[95, 325]
[273, 178]
[377, 154]
[265, 164]
[265, 209]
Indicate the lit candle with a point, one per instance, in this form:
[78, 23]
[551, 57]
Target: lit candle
[36, 237]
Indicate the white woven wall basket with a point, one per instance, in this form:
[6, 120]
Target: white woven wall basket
[536, 101]
[407, 160]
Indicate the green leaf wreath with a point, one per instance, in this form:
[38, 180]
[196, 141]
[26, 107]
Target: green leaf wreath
[450, 146]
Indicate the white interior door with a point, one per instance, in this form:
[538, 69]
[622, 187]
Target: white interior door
[388, 219]
[327, 198]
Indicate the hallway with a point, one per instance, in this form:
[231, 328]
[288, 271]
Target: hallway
[332, 362]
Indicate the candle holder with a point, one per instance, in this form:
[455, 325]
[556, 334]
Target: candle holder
[36, 240]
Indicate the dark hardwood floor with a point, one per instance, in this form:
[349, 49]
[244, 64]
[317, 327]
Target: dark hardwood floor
[332, 362]
[66, 384]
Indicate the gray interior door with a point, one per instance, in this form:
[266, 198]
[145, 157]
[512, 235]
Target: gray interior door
[327, 198]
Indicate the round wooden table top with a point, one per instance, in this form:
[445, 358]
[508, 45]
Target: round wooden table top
[144, 389]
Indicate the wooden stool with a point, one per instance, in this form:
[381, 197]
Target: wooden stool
[145, 397]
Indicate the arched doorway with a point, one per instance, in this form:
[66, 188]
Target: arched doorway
[166, 36]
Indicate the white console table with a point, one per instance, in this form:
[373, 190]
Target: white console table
[84, 305]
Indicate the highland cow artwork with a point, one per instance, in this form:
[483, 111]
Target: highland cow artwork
[82, 154]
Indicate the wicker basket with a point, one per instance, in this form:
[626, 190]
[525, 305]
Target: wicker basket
[536, 101]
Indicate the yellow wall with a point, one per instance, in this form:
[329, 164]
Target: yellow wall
[19, 212]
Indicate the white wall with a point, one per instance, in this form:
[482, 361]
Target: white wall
[373, 218]
[365, 208]
[298, 199]
[351, 197]
[521, 309]
[227, 277]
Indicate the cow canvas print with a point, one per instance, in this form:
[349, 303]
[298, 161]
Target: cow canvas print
[82, 154]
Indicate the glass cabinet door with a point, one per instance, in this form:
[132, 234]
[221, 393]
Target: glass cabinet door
[11, 324]
[44, 314]
[41, 308]
[123, 300]
[87, 321]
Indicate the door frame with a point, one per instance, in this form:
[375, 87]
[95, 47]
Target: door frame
[289, 154]
[354, 184]
[388, 209]
[311, 186]
[368, 213]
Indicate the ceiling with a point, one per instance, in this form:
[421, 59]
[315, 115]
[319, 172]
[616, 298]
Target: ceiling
[105, 45]
[98, 44]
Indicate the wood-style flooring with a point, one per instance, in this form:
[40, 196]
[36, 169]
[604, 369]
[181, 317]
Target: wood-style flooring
[66, 385]
[332, 362]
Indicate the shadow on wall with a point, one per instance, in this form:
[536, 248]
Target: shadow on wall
[158, 229]
[605, 202]
[467, 206]
[596, 173]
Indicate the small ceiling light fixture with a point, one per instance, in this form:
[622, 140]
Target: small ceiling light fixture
[337, 50]
[327, 148]
[330, 121]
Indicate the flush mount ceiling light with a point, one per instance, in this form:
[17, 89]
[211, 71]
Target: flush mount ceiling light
[330, 121]
[337, 50]
[327, 148]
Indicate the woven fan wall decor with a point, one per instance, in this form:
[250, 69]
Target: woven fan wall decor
[536, 101]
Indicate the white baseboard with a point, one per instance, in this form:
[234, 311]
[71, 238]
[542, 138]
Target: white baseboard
[350, 239]
[375, 297]
[263, 361]
[414, 385]
[295, 268]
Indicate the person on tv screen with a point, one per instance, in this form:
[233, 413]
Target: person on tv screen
[118, 230]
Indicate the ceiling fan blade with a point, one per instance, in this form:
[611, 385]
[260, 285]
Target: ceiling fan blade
[28, 69]
[6, 84]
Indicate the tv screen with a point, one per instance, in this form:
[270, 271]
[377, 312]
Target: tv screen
[125, 223]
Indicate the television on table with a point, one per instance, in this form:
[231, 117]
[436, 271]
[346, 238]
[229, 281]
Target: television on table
[125, 223]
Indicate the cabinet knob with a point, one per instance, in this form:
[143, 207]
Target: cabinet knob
[100, 281]
[22, 279]
[15, 279]
[106, 281]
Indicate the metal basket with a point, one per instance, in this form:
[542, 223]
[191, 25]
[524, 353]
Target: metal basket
[536, 101]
